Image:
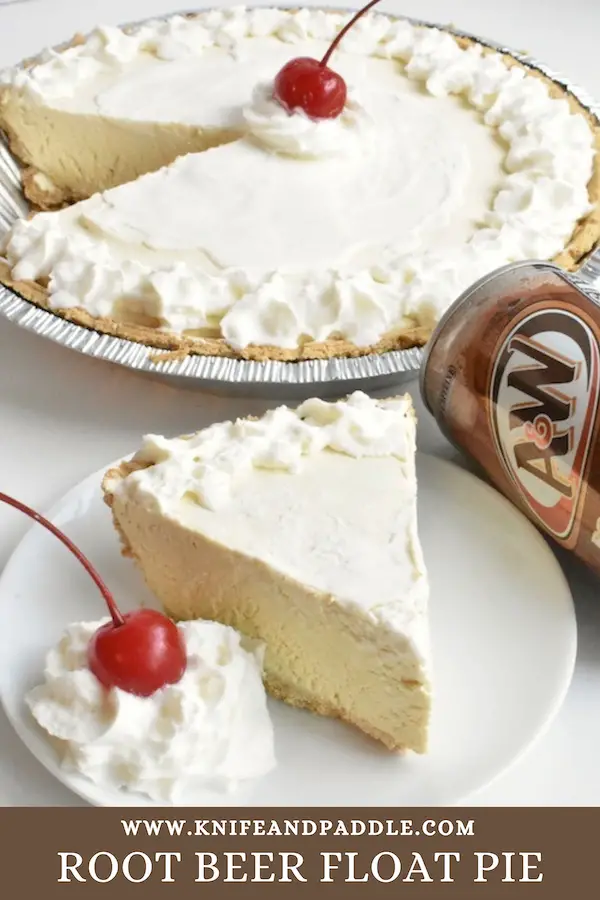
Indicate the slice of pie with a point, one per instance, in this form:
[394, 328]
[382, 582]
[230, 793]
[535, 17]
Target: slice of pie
[214, 221]
[298, 529]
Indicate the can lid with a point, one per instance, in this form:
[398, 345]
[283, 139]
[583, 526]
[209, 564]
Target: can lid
[465, 299]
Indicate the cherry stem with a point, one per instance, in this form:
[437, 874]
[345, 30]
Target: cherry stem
[116, 615]
[345, 29]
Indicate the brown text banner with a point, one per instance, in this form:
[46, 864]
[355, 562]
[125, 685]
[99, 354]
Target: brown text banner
[455, 853]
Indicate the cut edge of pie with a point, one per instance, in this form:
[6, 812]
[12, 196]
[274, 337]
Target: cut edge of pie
[171, 346]
[413, 696]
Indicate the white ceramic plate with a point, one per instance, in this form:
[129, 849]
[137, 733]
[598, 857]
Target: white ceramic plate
[504, 641]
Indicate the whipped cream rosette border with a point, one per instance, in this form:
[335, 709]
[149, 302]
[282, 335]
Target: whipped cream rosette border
[209, 732]
[404, 298]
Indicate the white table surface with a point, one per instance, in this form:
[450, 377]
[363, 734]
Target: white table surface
[63, 416]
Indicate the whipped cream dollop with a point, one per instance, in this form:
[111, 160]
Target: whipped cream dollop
[205, 467]
[210, 731]
[349, 244]
[296, 134]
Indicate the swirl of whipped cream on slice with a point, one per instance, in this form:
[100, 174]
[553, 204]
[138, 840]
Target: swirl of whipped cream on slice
[208, 465]
[210, 731]
[296, 134]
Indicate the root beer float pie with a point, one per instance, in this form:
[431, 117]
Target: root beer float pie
[191, 200]
[299, 530]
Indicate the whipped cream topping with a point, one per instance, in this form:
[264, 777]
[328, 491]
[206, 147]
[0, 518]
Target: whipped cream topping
[206, 467]
[296, 134]
[392, 241]
[59, 75]
[209, 731]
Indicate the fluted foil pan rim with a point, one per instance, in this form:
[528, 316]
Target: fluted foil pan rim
[205, 371]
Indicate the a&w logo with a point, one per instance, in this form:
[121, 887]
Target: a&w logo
[544, 393]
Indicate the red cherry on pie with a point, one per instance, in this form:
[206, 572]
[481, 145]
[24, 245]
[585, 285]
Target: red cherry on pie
[139, 652]
[317, 90]
[310, 85]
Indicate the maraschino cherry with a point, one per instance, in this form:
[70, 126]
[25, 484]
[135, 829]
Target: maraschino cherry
[139, 652]
[310, 85]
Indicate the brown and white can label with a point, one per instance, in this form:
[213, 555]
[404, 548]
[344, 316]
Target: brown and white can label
[512, 375]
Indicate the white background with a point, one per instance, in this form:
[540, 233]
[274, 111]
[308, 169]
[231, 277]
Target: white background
[63, 416]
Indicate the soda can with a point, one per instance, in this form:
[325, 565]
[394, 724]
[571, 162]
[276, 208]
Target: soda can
[512, 376]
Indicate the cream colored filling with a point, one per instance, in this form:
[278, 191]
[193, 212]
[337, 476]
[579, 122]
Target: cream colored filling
[324, 566]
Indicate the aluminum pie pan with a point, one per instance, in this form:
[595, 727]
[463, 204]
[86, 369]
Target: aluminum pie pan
[228, 375]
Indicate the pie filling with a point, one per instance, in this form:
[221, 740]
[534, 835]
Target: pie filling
[446, 163]
[299, 530]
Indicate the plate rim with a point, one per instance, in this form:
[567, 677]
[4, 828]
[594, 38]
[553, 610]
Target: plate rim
[93, 794]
